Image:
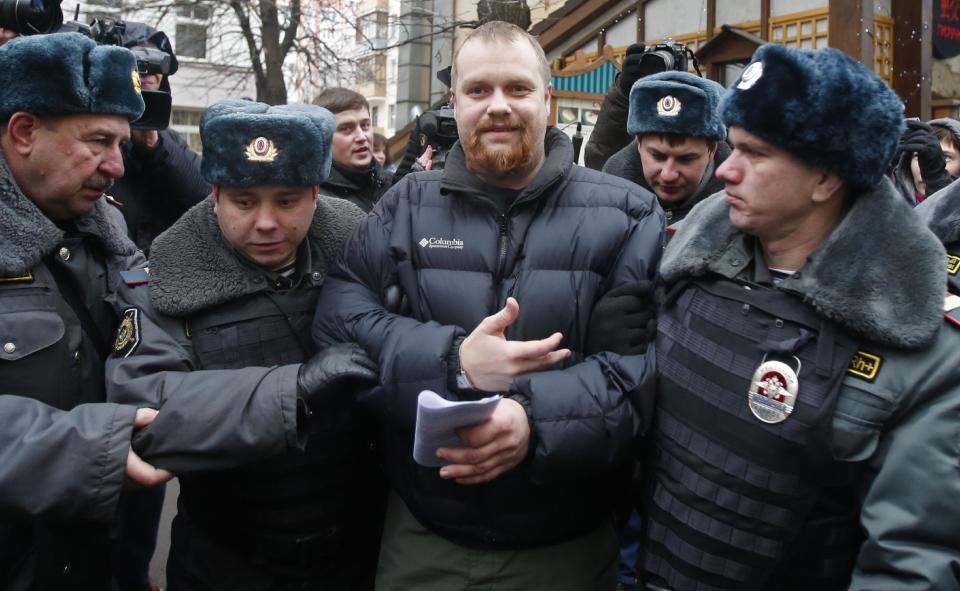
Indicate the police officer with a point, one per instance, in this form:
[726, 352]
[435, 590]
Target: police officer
[941, 213]
[65, 107]
[805, 434]
[225, 313]
[679, 141]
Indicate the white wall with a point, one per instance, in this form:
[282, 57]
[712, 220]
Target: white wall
[623, 32]
[782, 7]
[731, 12]
[665, 18]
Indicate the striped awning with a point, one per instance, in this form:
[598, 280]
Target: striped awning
[594, 81]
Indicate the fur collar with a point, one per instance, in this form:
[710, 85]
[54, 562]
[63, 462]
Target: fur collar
[880, 274]
[192, 268]
[27, 235]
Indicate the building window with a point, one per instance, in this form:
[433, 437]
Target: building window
[187, 123]
[192, 21]
[373, 28]
[392, 116]
[187, 117]
[375, 116]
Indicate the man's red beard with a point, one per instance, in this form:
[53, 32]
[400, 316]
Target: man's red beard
[508, 160]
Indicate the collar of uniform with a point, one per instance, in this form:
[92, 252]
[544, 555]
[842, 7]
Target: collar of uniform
[192, 268]
[302, 270]
[880, 274]
[559, 159]
[27, 235]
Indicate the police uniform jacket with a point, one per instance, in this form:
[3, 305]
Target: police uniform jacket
[563, 241]
[626, 164]
[216, 343]
[60, 472]
[941, 213]
[890, 432]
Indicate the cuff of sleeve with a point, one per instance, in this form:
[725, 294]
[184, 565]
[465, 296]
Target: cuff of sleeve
[294, 422]
[453, 364]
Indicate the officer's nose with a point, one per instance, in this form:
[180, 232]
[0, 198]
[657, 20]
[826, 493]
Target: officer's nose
[112, 162]
[728, 172]
[266, 219]
[669, 171]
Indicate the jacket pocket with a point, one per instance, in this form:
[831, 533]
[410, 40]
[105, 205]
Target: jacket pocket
[863, 411]
[29, 322]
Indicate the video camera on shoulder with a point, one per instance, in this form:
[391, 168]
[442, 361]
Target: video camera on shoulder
[31, 17]
[665, 57]
[438, 128]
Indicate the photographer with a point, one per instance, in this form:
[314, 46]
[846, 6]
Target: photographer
[163, 175]
[610, 133]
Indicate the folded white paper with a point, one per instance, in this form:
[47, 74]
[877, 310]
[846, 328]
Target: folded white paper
[438, 420]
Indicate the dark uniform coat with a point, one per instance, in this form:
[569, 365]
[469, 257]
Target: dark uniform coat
[883, 445]
[218, 346]
[60, 472]
[362, 188]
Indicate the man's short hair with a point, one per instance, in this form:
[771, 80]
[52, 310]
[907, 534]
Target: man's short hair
[502, 32]
[337, 100]
[675, 139]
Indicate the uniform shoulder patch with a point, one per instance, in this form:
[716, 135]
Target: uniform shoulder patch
[28, 276]
[953, 264]
[951, 308]
[136, 276]
[128, 334]
[865, 365]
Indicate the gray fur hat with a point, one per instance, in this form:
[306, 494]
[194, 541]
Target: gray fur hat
[67, 73]
[678, 103]
[823, 107]
[246, 144]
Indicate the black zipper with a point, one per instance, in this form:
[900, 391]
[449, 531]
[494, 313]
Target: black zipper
[502, 248]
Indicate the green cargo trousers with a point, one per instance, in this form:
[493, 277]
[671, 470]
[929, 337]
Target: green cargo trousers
[412, 558]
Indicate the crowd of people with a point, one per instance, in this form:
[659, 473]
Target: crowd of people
[727, 352]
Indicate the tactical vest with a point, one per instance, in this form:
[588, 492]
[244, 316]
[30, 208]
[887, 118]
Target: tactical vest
[46, 355]
[734, 502]
[293, 511]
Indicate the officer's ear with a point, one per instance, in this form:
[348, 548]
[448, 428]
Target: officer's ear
[22, 129]
[215, 196]
[829, 186]
[316, 195]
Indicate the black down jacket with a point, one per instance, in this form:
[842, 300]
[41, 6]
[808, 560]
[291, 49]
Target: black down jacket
[569, 237]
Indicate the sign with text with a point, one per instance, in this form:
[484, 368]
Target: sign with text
[946, 28]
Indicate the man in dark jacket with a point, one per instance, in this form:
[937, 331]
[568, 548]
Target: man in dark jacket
[500, 258]
[224, 318]
[941, 213]
[162, 178]
[808, 382]
[355, 176]
[679, 140]
[65, 107]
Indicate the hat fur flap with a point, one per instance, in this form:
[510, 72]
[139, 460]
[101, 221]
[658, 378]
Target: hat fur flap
[247, 144]
[823, 107]
[67, 73]
[676, 103]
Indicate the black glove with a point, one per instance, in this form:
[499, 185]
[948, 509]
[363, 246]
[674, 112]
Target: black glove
[338, 368]
[624, 320]
[921, 140]
[631, 71]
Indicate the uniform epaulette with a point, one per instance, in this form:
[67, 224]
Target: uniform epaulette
[136, 276]
[951, 309]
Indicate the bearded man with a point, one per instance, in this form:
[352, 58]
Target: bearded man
[526, 502]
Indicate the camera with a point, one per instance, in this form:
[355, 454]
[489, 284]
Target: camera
[438, 128]
[31, 17]
[665, 57]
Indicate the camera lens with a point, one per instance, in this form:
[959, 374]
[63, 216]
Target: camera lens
[29, 17]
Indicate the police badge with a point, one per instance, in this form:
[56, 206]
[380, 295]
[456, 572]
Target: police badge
[128, 335]
[773, 391]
